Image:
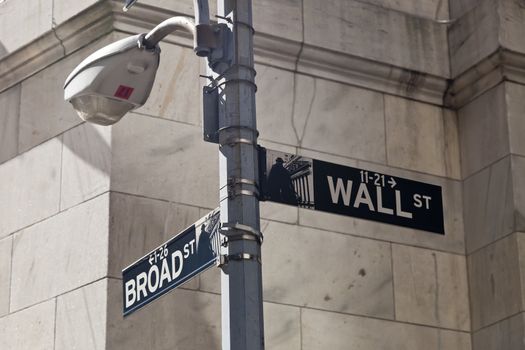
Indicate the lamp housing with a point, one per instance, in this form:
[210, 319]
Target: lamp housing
[113, 80]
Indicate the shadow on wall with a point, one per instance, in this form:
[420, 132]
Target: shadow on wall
[91, 145]
[3, 50]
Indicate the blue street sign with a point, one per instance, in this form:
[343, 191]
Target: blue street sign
[186, 255]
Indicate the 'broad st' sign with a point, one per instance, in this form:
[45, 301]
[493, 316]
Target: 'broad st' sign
[360, 193]
[171, 264]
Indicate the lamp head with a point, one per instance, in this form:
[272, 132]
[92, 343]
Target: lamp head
[113, 80]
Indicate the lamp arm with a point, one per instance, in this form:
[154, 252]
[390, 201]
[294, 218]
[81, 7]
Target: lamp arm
[203, 38]
[168, 26]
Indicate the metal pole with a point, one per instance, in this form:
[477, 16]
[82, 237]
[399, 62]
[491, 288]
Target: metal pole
[241, 278]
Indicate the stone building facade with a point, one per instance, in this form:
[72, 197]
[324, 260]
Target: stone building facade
[429, 90]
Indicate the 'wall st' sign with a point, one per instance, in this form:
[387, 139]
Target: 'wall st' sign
[189, 253]
[360, 193]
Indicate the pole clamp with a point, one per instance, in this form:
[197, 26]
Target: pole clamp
[236, 232]
[239, 127]
[225, 259]
[233, 192]
[232, 141]
[236, 193]
[232, 181]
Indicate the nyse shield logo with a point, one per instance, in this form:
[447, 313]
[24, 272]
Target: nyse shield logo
[314, 184]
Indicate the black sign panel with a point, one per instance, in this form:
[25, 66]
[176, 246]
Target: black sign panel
[360, 193]
[171, 264]
[379, 197]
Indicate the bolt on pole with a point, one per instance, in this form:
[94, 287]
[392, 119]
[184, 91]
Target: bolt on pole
[241, 276]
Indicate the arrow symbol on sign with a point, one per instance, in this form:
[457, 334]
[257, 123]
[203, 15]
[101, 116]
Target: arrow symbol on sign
[151, 260]
[392, 182]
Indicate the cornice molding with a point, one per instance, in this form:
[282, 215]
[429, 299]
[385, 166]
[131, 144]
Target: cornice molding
[56, 44]
[105, 17]
[502, 65]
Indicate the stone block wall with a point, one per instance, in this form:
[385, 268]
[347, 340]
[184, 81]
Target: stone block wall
[493, 209]
[491, 164]
[375, 84]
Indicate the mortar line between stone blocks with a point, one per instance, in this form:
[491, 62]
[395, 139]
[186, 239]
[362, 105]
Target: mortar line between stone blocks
[61, 171]
[44, 141]
[144, 114]
[301, 328]
[355, 235]
[55, 214]
[520, 276]
[321, 310]
[301, 308]
[448, 47]
[393, 280]
[11, 274]
[58, 295]
[496, 322]
[469, 288]
[108, 241]
[446, 144]
[370, 317]
[506, 114]
[497, 240]
[19, 109]
[55, 328]
[362, 87]
[385, 129]
[265, 301]
[107, 312]
[160, 200]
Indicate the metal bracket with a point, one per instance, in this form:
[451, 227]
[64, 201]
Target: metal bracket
[229, 20]
[234, 192]
[218, 58]
[236, 140]
[247, 81]
[236, 231]
[254, 131]
[210, 115]
[205, 39]
[223, 260]
[232, 181]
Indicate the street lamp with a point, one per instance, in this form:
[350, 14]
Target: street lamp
[119, 77]
[112, 81]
